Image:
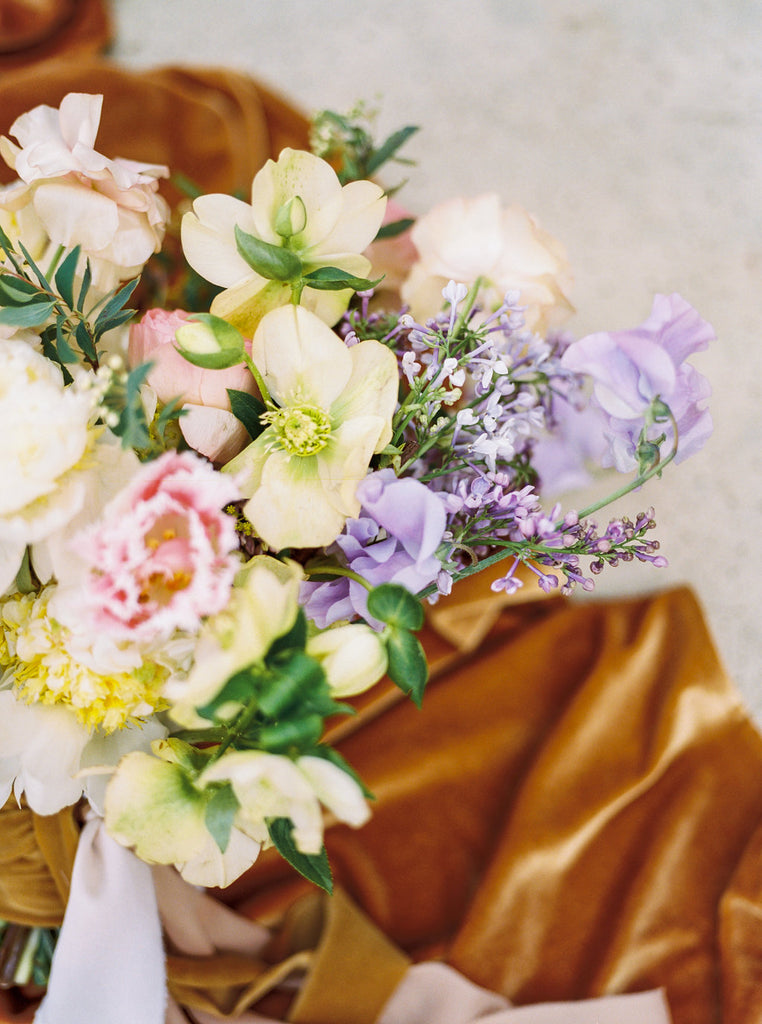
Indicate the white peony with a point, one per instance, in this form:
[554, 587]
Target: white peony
[53, 461]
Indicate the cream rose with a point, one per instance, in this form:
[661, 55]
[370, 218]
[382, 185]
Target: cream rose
[463, 239]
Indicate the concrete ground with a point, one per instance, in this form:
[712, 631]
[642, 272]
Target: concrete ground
[633, 132]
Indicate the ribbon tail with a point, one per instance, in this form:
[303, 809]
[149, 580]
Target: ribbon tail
[108, 966]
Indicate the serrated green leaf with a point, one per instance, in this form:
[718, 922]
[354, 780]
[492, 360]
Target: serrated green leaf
[31, 315]
[270, 261]
[64, 277]
[388, 148]
[396, 606]
[248, 409]
[314, 867]
[220, 814]
[394, 228]
[408, 668]
[332, 279]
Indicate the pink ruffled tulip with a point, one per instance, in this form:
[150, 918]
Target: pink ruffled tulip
[160, 556]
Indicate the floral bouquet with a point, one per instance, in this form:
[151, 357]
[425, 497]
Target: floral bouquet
[220, 522]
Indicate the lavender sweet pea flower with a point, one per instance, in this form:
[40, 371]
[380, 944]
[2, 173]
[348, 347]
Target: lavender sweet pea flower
[394, 540]
[632, 369]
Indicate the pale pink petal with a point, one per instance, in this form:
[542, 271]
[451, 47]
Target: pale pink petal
[215, 433]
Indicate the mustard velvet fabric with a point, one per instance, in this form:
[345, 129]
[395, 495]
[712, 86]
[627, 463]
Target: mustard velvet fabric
[578, 808]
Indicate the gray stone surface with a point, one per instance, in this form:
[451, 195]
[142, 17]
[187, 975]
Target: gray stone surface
[631, 130]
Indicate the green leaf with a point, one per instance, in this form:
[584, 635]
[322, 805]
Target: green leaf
[15, 291]
[394, 228]
[35, 269]
[220, 814]
[86, 282]
[294, 675]
[65, 277]
[294, 640]
[85, 341]
[314, 867]
[122, 317]
[408, 667]
[66, 353]
[387, 149]
[132, 427]
[25, 579]
[31, 315]
[239, 689]
[331, 279]
[292, 734]
[114, 304]
[270, 261]
[248, 409]
[395, 605]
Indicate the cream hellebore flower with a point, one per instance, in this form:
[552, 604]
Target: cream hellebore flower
[271, 786]
[69, 194]
[297, 204]
[463, 239]
[332, 410]
[156, 804]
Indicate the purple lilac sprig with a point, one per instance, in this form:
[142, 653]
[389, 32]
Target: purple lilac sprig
[489, 522]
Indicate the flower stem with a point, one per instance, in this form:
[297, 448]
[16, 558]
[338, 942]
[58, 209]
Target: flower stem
[258, 378]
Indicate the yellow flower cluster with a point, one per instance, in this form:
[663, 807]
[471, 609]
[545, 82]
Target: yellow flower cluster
[40, 660]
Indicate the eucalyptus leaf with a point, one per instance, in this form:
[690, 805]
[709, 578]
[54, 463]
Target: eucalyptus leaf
[270, 261]
[388, 148]
[314, 867]
[15, 291]
[66, 353]
[34, 268]
[114, 304]
[64, 277]
[31, 315]
[85, 288]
